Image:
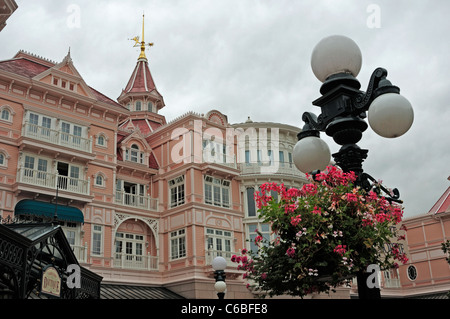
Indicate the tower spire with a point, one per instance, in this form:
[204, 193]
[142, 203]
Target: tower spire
[142, 43]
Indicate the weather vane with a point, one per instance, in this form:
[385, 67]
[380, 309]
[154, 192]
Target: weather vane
[142, 43]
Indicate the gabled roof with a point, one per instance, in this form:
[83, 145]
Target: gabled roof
[37, 68]
[443, 203]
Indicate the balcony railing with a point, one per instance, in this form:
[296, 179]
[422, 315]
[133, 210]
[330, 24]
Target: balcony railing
[211, 254]
[283, 168]
[80, 252]
[140, 262]
[56, 137]
[139, 201]
[51, 180]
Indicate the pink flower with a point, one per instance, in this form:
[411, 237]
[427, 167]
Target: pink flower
[263, 276]
[340, 249]
[290, 252]
[351, 197]
[317, 210]
[295, 220]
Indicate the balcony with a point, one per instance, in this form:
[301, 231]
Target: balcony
[48, 180]
[138, 201]
[80, 252]
[211, 254]
[137, 262]
[282, 168]
[44, 134]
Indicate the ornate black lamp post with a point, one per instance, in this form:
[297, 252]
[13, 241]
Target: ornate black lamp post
[219, 264]
[336, 61]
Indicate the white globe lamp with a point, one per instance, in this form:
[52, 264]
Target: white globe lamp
[336, 54]
[311, 153]
[390, 115]
[220, 286]
[219, 263]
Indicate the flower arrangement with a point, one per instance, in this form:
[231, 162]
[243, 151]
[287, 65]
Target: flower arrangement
[325, 233]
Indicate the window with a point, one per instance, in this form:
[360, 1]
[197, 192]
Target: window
[264, 229]
[99, 180]
[176, 187]
[178, 244]
[150, 106]
[134, 154]
[97, 239]
[133, 244]
[2, 160]
[6, 115]
[219, 241]
[42, 168]
[247, 157]
[251, 207]
[101, 141]
[29, 166]
[412, 272]
[138, 105]
[217, 191]
[290, 159]
[281, 155]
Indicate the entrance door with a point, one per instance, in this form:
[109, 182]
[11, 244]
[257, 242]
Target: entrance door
[130, 250]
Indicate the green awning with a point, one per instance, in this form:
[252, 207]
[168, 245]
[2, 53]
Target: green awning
[37, 208]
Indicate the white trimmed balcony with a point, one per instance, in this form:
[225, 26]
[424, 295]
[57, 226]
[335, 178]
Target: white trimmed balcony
[138, 201]
[56, 137]
[282, 168]
[49, 180]
[139, 262]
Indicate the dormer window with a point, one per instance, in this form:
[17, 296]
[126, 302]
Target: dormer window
[134, 154]
[65, 84]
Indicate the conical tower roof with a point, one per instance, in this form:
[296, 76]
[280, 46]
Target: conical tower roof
[141, 85]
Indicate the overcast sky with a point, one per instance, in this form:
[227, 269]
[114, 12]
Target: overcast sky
[252, 58]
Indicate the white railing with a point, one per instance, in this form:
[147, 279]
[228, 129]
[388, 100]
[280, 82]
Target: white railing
[80, 252]
[133, 200]
[211, 254]
[283, 168]
[42, 133]
[45, 179]
[129, 261]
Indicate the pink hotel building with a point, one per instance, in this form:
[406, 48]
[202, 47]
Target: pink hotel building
[148, 203]
[141, 201]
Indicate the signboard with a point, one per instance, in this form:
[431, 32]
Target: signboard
[51, 282]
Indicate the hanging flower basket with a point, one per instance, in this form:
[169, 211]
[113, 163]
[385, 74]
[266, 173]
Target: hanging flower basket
[325, 233]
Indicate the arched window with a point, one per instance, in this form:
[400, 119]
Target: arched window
[6, 115]
[138, 106]
[4, 159]
[101, 140]
[134, 153]
[150, 106]
[100, 179]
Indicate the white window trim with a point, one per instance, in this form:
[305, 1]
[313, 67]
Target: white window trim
[221, 187]
[181, 182]
[11, 113]
[105, 140]
[104, 179]
[6, 157]
[101, 231]
[176, 235]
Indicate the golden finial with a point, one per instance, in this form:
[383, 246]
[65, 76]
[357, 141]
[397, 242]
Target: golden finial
[142, 43]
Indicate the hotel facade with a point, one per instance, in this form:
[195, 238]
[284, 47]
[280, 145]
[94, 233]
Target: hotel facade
[146, 202]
